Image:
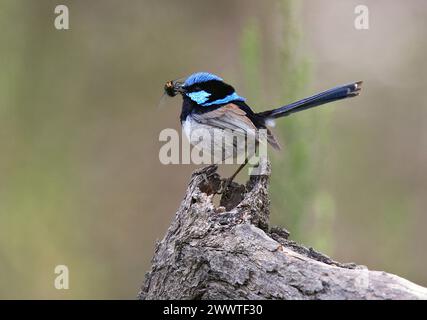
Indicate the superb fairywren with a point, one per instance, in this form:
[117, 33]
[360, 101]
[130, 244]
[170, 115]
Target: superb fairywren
[211, 104]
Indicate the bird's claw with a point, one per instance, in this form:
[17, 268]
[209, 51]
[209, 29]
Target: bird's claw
[224, 185]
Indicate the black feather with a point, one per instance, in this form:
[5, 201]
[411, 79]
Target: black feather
[334, 94]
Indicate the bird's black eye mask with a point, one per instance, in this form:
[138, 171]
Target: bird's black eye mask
[212, 92]
[204, 93]
[217, 89]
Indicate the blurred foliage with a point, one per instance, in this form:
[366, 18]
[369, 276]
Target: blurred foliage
[293, 185]
[294, 170]
[250, 55]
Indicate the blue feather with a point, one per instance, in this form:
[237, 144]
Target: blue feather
[200, 77]
[199, 97]
[231, 97]
[334, 94]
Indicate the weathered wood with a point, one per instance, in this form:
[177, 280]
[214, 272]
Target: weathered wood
[229, 252]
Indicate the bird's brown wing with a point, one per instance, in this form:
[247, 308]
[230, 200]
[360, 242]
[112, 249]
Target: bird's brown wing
[229, 116]
[233, 118]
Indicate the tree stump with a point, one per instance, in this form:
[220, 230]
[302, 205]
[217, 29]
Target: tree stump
[230, 252]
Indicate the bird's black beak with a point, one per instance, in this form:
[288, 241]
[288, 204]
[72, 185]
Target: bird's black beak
[172, 88]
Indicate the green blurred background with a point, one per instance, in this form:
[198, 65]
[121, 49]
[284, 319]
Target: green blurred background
[80, 179]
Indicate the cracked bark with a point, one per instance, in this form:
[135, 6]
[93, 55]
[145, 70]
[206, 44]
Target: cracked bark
[230, 252]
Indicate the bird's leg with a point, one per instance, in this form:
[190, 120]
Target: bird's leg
[238, 170]
[228, 181]
[205, 177]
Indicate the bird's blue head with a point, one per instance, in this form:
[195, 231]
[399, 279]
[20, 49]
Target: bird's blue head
[204, 89]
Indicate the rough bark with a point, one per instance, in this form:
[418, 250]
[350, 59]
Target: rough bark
[230, 252]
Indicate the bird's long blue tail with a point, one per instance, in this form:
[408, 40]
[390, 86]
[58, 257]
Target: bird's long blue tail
[334, 94]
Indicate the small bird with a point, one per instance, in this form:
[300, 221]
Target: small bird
[210, 103]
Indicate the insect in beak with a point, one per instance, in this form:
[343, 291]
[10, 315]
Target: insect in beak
[172, 88]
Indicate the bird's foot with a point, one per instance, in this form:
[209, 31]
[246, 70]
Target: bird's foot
[210, 182]
[232, 193]
[225, 183]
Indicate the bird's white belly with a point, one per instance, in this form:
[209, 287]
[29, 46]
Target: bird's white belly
[214, 141]
[194, 132]
[187, 126]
